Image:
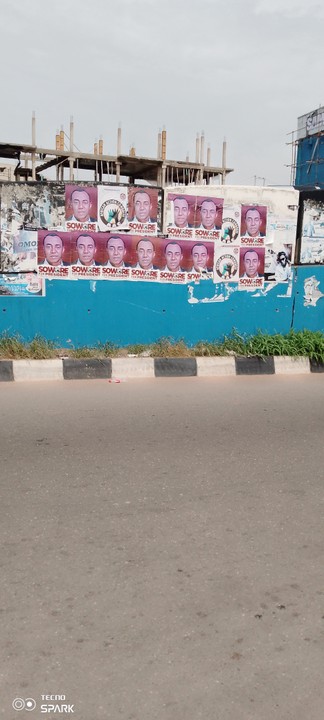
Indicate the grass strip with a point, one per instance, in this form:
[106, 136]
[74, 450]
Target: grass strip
[306, 343]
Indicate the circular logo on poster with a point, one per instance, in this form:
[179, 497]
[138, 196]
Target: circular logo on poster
[34, 284]
[112, 213]
[226, 266]
[230, 230]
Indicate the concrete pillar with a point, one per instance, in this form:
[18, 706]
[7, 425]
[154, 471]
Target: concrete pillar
[197, 148]
[71, 148]
[224, 162]
[164, 141]
[202, 148]
[34, 145]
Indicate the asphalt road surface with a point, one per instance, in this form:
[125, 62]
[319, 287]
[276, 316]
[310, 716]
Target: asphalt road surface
[162, 549]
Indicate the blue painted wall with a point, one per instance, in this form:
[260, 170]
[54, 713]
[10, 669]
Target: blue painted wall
[81, 313]
[76, 313]
[310, 163]
[306, 315]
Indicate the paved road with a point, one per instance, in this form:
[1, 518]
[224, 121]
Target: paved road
[163, 548]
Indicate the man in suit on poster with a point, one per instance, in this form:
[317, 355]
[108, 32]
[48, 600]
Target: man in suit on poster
[181, 211]
[173, 255]
[116, 250]
[209, 215]
[253, 222]
[86, 248]
[142, 207]
[53, 250]
[80, 205]
[200, 258]
[145, 254]
[251, 264]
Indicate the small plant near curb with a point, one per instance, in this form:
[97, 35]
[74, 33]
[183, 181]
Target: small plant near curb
[305, 343]
[166, 347]
[102, 350]
[13, 347]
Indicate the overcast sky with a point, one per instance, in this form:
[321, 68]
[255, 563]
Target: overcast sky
[240, 69]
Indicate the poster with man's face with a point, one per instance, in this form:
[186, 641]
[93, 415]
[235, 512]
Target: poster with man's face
[143, 210]
[251, 268]
[54, 254]
[181, 215]
[144, 257]
[253, 224]
[81, 207]
[208, 217]
[86, 254]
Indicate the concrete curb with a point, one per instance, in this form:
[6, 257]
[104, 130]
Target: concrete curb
[254, 366]
[286, 365]
[37, 370]
[175, 367]
[86, 368]
[123, 368]
[142, 367]
[6, 371]
[215, 366]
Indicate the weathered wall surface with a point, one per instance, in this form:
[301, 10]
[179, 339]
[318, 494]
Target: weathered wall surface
[85, 312]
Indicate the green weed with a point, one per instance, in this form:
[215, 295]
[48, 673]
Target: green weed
[296, 343]
[167, 347]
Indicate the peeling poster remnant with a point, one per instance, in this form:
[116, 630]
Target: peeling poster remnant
[311, 292]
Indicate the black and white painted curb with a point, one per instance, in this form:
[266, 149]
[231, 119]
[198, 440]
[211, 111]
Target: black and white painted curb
[116, 369]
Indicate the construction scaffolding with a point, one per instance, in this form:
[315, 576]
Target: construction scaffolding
[307, 151]
[32, 162]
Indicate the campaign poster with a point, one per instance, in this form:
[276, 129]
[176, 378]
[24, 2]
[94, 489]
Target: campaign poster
[183, 261]
[117, 256]
[199, 257]
[112, 208]
[172, 259]
[312, 241]
[181, 215]
[22, 285]
[137, 273]
[81, 208]
[88, 254]
[19, 254]
[253, 225]
[144, 251]
[208, 218]
[231, 225]
[143, 209]
[226, 264]
[54, 254]
[251, 272]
